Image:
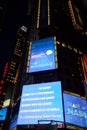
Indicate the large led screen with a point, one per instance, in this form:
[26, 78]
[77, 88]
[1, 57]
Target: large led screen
[42, 55]
[75, 110]
[40, 102]
[3, 112]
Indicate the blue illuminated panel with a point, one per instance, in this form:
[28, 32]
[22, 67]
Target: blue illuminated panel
[40, 102]
[3, 112]
[42, 55]
[75, 110]
[13, 122]
[14, 116]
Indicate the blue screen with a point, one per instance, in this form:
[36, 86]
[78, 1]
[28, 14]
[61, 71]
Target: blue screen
[40, 102]
[3, 112]
[14, 116]
[13, 122]
[42, 55]
[75, 110]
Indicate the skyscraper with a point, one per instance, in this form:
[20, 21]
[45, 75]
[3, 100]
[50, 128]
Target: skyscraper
[69, 28]
[65, 21]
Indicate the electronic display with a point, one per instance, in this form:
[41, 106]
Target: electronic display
[75, 110]
[42, 55]
[13, 122]
[40, 102]
[14, 116]
[3, 112]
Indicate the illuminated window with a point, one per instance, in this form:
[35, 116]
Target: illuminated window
[63, 44]
[75, 50]
[69, 47]
[58, 42]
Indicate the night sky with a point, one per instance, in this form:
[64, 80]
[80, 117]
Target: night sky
[15, 17]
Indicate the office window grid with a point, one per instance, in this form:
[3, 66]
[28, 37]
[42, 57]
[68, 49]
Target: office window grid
[68, 70]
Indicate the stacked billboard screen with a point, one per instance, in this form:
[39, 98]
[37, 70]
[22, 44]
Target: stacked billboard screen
[44, 102]
[42, 55]
[75, 110]
[40, 102]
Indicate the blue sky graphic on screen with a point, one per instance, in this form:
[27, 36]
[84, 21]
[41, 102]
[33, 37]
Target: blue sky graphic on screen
[75, 110]
[42, 55]
[3, 112]
[40, 102]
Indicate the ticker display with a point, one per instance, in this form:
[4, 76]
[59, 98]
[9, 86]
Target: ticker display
[40, 102]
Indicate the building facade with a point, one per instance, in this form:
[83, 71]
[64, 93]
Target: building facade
[68, 27]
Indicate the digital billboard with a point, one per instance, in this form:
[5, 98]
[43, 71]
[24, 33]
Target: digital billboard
[75, 109]
[3, 112]
[42, 55]
[40, 102]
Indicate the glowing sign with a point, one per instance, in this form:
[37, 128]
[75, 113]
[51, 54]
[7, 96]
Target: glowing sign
[40, 102]
[42, 56]
[84, 66]
[75, 110]
[3, 112]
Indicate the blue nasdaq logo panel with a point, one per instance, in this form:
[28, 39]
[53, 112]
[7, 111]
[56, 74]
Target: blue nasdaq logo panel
[41, 102]
[75, 110]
